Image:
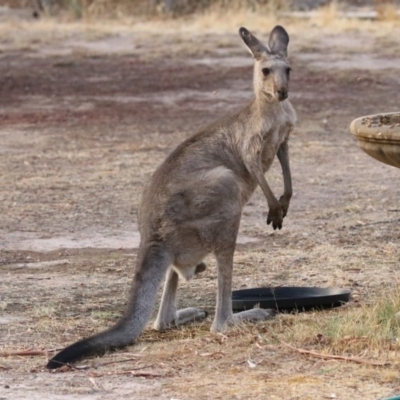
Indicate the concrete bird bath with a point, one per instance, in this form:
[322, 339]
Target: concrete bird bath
[379, 136]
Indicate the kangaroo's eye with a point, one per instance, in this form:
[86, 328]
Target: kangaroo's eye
[288, 71]
[266, 71]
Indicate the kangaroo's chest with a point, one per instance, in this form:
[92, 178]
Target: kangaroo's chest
[272, 140]
[273, 135]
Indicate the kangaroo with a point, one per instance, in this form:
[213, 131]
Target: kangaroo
[193, 204]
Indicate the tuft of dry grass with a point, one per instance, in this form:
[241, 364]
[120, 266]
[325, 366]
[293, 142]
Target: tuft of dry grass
[367, 331]
[175, 8]
[374, 326]
[387, 11]
[328, 13]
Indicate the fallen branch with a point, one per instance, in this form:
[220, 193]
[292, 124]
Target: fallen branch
[333, 357]
[116, 362]
[133, 372]
[64, 367]
[29, 352]
[376, 223]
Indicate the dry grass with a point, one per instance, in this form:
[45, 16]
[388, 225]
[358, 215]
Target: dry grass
[366, 333]
[119, 8]
[328, 14]
[215, 20]
[194, 360]
[144, 38]
[387, 12]
[364, 329]
[333, 20]
[197, 362]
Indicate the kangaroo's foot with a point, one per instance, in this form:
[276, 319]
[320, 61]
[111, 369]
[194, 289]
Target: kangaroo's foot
[253, 315]
[190, 314]
[181, 317]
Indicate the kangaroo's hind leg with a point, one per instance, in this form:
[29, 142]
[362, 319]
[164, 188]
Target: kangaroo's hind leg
[223, 313]
[223, 309]
[168, 316]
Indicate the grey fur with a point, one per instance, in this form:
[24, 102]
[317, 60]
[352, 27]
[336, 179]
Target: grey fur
[193, 204]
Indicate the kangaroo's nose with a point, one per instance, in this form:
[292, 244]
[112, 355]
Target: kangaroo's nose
[282, 94]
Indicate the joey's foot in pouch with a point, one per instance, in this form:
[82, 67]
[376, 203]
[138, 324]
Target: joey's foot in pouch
[275, 216]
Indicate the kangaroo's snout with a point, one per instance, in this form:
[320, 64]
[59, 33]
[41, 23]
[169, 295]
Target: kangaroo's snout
[282, 94]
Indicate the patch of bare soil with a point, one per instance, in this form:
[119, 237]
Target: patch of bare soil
[81, 132]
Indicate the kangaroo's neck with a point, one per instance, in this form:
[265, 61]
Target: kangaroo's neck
[264, 98]
[264, 104]
[263, 114]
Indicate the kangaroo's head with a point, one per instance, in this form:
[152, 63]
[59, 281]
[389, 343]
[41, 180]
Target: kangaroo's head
[271, 69]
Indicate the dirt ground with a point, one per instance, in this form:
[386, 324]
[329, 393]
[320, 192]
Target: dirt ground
[85, 119]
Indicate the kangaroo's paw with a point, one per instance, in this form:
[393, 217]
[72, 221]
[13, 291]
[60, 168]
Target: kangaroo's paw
[253, 315]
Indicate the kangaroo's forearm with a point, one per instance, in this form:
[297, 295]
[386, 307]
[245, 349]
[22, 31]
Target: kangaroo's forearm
[258, 175]
[252, 158]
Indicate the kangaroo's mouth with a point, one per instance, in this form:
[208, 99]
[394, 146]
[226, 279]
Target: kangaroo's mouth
[282, 95]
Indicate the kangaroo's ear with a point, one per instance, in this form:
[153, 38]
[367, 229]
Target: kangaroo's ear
[278, 41]
[257, 49]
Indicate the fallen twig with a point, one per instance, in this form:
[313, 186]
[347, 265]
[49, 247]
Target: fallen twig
[333, 357]
[13, 261]
[29, 352]
[134, 372]
[376, 223]
[64, 367]
[116, 362]
[38, 279]
[94, 383]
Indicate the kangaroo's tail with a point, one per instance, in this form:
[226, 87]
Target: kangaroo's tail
[153, 263]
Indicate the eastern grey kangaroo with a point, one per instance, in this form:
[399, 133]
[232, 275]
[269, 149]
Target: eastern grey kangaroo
[193, 204]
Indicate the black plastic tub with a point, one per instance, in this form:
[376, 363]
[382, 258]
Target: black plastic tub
[290, 298]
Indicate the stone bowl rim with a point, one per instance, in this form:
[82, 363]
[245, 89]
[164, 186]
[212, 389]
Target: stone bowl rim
[381, 133]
